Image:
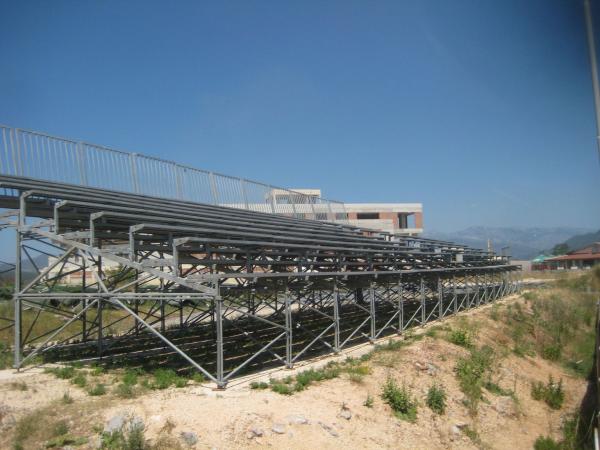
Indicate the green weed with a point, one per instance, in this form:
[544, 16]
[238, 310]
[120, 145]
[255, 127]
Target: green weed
[400, 400]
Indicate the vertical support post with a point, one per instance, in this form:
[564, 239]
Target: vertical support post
[400, 306]
[17, 298]
[85, 300]
[372, 313]
[180, 303]
[288, 331]
[162, 316]
[336, 318]
[454, 295]
[423, 316]
[18, 304]
[219, 324]
[478, 291]
[440, 299]
[100, 325]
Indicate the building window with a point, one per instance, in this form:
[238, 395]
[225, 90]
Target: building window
[363, 216]
[341, 216]
[321, 216]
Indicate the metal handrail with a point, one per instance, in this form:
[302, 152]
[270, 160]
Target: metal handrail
[38, 155]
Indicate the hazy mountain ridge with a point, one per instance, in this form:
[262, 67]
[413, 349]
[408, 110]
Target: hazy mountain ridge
[524, 243]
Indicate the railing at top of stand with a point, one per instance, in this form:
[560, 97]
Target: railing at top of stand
[37, 155]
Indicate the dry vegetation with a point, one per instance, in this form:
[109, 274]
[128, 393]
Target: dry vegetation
[509, 375]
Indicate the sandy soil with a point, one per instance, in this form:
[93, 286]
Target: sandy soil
[243, 418]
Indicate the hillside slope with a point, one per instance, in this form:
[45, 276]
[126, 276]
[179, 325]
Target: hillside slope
[485, 361]
[524, 243]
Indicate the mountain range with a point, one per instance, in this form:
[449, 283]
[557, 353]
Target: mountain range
[525, 243]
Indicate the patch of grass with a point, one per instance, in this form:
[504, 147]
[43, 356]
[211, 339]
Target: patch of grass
[79, 380]
[164, 378]
[472, 372]
[259, 385]
[198, 377]
[97, 390]
[369, 401]
[461, 337]
[552, 393]
[19, 386]
[60, 428]
[355, 368]
[125, 390]
[282, 388]
[496, 389]
[400, 400]
[66, 441]
[495, 312]
[546, 443]
[436, 399]
[552, 352]
[130, 377]
[473, 435]
[97, 371]
[64, 373]
[131, 437]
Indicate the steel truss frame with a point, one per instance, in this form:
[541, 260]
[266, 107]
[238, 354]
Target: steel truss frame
[218, 291]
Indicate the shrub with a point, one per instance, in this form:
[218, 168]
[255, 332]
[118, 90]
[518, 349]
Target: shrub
[163, 378]
[552, 352]
[130, 377]
[400, 400]
[369, 401]
[282, 388]
[546, 443]
[259, 385]
[125, 390]
[496, 389]
[436, 399]
[97, 390]
[60, 428]
[79, 380]
[461, 337]
[552, 393]
[555, 395]
[130, 437]
[63, 373]
[471, 372]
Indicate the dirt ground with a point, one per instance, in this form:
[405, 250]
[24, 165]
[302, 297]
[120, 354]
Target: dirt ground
[329, 414]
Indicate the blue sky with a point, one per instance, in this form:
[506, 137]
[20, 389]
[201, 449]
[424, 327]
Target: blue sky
[480, 109]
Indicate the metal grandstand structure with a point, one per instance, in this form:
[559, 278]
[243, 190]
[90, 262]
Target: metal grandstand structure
[181, 267]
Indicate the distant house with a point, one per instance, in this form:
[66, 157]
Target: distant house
[583, 258]
[539, 262]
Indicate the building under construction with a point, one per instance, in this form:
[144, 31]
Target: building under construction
[199, 271]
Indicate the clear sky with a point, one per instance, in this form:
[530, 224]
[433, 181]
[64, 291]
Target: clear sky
[480, 109]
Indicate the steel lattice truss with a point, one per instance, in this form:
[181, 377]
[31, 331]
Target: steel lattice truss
[217, 289]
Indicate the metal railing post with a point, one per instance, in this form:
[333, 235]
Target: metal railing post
[81, 163]
[213, 188]
[134, 177]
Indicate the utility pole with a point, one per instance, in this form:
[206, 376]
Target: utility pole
[594, 67]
